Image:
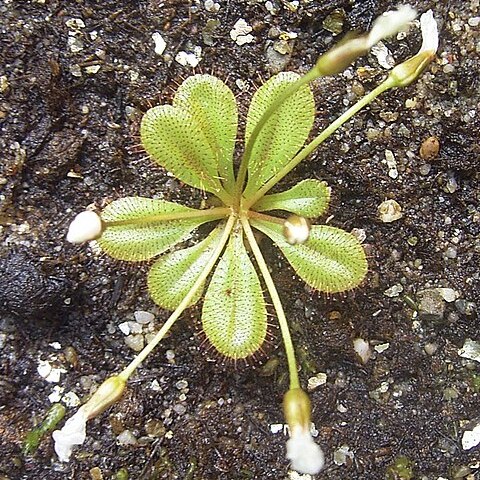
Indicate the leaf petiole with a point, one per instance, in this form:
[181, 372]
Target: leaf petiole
[265, 217]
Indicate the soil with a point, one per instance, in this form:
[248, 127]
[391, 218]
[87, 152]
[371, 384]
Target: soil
[71, 98]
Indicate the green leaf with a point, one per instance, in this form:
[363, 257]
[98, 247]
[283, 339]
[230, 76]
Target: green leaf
[173, 138]
[331, 260]
[142, 237]
[172, 276]
[308, 198]
[194, 138]
[283, 134]
[234, 315]
[212, 105]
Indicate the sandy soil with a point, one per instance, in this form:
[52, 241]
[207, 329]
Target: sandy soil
[74, 79]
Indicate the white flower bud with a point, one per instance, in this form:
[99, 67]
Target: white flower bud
[72, 433]
[429, 29]
[74, 430]
[338, 58]
[306, 456]
[296, 229]
[405, 73]
[390, 23]
[85, 226]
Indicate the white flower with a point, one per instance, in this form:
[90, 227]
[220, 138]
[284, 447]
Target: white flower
[85, 226]
[72, 433]
[429, 29]
[296, 230]
[406, 72]
[390, 23]
[306, 456]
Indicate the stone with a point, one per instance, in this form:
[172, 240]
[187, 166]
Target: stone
[431, 305]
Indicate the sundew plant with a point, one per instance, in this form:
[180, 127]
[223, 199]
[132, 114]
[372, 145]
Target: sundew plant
[194, 138]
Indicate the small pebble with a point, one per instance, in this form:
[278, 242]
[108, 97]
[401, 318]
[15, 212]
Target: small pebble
[160, 43]
[448, 294]
[362, 349]
[431, 305]
[470, 350]
[451, 252]
[430, 348]
[474, 21]
[382, 347]
[464, 307]
[92, 69]
[276, 427]
[389, 211]
[391, 163]
[75, 23]
[124, 328]
[75, 44]
[155, 428]
[240, 32]
[143, 317]
[126, 438]
[342, 455]
[135, 342]
[179, 409]
[317, 380]
[270, 7]
[394, 290]
[181, 384]
[211, 6]
[4, 85]
[429, 148]
[191, 59]
[425, 169]
[96, 473]
[471, 438]
[360, 234]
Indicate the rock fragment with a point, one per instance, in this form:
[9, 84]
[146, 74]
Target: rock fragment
[431, 305]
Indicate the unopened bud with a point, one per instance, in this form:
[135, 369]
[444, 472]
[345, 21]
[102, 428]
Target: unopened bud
[296, 229]
[297, 408]
[405, 73]
[340, 57]
[85, 226]
[107, 394]
[306, 456]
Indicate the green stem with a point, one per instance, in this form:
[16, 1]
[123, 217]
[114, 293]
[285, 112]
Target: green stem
[289, 91]
[125, 374]
[282, 320]
[210, 214]
[265, 217]
[308, 149]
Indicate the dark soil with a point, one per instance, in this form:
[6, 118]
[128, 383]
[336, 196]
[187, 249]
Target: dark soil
[68, 139]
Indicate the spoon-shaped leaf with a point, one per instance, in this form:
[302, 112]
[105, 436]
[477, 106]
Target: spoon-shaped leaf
[234, 315]
[174, 139]
[308, 198]
[283, 134]
[331, 260]
[138, 236]
[174, 274]
[212, 104]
